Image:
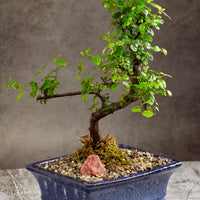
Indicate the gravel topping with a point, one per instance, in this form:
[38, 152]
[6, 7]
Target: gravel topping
[142, 161]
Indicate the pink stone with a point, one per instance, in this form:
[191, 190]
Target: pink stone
[93, 166]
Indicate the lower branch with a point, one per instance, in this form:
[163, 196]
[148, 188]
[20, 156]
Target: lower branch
[45, 97]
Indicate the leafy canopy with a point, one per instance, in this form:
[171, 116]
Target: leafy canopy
[122, 65]
[128, 50]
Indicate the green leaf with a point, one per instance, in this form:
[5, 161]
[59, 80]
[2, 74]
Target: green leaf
[90, 57]
[108, 33]
[6, 84]
[118, 51]
[106, 98]
[105, 4]
[103, 87]
[114, 78]
[55, 82]
[62, 63]
[156, 86]
[161, 92]
[133, 48]
[162, 83]
[114, 87]
[17, 86]
[149, 1]
[156, 48]
[94, 106]
[119, 43]
[165, 74]
[140, 9]
[97, 60]
[142, 28]
[78, 75]
[147, 45]
[80, 67]
[11, 84]
[47, 84]
[167, 15]
[125, 77]
[164, 52]
[36, 74]
[121, 3]
[156, 6]
[88, 49]
[107, 107]
[102, 38]
[138, 56]
[43, 68]
[111, 45]
[126, 85]
[136, 109]
[84, 98]
[148, 38]
[32, 95]
[10, 77]
[20, 95]
[169, 93]
[147, 113]
[97, 84]
[129, 21]
[124, 20]
[150, 31]
[117, 15]
[54, 59]
[149, 55]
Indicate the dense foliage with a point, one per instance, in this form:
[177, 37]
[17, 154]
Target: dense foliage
[125, 59]
[122, 65]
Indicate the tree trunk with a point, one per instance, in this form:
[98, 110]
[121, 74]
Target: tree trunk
[94, 131]
[101, 113]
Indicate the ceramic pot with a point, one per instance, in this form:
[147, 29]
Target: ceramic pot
[148, 185]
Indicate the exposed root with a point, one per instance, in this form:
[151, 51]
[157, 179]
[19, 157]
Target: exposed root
[107, 149]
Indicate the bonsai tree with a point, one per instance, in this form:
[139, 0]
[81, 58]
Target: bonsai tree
[122, 65]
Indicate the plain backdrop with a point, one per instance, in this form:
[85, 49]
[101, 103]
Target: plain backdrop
[33, 31]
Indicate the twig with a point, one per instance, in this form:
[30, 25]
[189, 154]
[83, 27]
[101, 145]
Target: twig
[45, 97]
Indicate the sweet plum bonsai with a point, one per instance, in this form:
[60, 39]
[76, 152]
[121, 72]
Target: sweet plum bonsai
[123, 65]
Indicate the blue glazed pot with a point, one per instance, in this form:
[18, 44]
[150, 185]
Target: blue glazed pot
[148, 185]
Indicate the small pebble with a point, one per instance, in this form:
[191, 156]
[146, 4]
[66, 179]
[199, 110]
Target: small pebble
[149, 166]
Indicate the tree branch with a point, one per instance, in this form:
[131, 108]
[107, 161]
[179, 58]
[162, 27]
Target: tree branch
[101, 113]
[107, 83]
[59, 95]
[45, 97]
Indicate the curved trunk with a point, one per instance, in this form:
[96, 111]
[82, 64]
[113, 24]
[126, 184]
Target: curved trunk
[101, 113]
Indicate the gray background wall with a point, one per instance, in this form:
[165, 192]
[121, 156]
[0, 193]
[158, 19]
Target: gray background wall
[33, 31]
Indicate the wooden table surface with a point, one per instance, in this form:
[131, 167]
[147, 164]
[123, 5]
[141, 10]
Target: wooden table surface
[19, 184]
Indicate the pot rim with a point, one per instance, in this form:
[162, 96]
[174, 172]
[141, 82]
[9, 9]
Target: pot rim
[170, 166]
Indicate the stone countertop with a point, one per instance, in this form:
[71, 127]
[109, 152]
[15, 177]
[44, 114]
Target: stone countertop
[19, 184]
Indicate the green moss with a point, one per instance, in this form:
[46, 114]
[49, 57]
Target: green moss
[107, 149]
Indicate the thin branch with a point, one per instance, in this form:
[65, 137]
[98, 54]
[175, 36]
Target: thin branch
[45, 97]
[107, 83]
[59, 95]
[103, 102]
